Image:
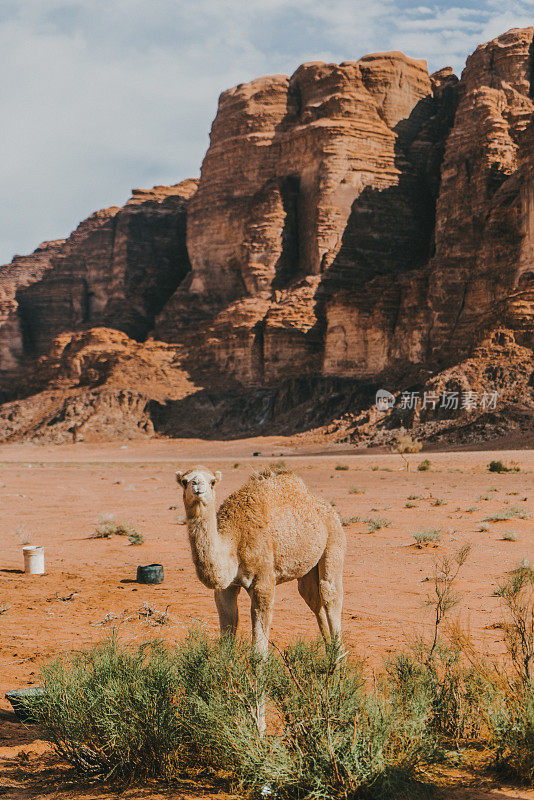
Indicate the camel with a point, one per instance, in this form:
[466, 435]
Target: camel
[269, 531]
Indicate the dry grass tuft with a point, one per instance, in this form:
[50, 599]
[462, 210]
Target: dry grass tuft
[108, 526]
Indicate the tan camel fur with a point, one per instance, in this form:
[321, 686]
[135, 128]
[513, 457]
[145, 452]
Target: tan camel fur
[269, 531]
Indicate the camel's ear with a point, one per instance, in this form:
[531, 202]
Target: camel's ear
[179, 476]
[216, 478]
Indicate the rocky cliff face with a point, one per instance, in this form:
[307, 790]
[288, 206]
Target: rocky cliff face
[311, 184]
[362, 219]
[482, 214]
[361, 222]
[118, 269]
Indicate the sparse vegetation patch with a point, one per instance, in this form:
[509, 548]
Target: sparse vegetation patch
[498, 466]
[346, 521]
[427, 536]
[376, 523]
[514, 512]
[405, 445]
[107, 526]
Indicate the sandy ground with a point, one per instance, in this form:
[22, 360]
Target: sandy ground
[53, 496]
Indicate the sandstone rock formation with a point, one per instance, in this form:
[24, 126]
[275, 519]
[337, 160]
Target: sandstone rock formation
[355, 225]
[311, 184]
[118, 268]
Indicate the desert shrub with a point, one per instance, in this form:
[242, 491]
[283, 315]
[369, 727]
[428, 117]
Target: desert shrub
[132, 713]
[341, 467]
[517, 596]
[510, 536]
[346, 521]
[376, 523]
[439, 501]
[342, 740]
[510, 710]
[108, 526]
[404, 444]
[113, 711]
[145, 711]
[424, 466]
[356, 490]
[514, 512]
[438, 670]
[225, 685]
[427, 536]
[498, 466]
[511, 715]
[452, 689]
[410, 505]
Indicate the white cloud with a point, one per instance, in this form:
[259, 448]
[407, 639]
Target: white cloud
[100, 97]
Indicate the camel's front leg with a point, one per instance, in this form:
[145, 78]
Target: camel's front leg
[226, 602]
[262, 596]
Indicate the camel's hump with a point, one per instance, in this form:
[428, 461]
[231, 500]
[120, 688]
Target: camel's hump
[260, 488]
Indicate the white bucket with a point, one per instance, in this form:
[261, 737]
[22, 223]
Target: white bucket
[33, 559]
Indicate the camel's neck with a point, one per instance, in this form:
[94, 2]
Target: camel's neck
[214, 556]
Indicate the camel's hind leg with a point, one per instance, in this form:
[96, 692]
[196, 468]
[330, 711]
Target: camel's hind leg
[308, 587]
[226, 602]
[330, 569]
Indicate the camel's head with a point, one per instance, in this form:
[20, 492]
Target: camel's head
[198, 484]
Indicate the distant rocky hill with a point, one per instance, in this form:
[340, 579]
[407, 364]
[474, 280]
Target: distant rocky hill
[355, 226]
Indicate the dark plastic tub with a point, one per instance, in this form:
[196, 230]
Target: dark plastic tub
[19, 702]
[152, 573]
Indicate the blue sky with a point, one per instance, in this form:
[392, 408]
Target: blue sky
[100, 97]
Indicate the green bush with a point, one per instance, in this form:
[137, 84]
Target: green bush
[225, 685]
[444, 680]
[342, 740]
[498, 466]
[424, 466]
[511, 716]
[113, 711]
[132, 713]
[510, 707]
